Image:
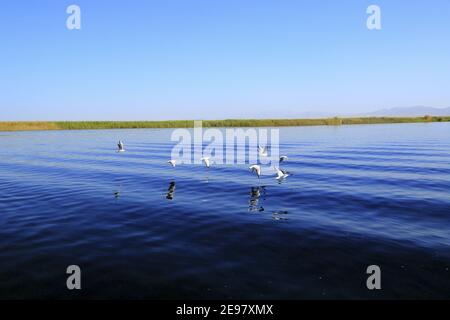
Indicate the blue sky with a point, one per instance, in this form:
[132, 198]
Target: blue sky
[214, 59]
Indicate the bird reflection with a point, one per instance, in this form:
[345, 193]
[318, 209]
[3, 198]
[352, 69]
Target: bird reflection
[255, 197]
[171, 191]
[280, 215]
[117, 192]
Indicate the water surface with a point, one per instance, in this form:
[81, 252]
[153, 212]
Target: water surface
[358, 195]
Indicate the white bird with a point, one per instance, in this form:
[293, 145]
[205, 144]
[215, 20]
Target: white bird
[206, 161]
[281, 174]
[121, 147]
[173, 163]
[257, 169]
[262, 151]
[283, 158]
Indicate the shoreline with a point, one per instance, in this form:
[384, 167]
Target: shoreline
[8, 126]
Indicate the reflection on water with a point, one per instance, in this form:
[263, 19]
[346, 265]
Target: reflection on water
[280, 215]
[255, 199]
[258, 195]
[171, 191]
[118, 191]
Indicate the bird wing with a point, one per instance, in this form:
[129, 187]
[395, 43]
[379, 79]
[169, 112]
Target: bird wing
[280, 173]
[256, 168]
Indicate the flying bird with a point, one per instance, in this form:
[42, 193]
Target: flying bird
[121, 147]
[173, 163]
[281, 174]
[283, 158]
[206, 161]
[256, 169]
[262, 151]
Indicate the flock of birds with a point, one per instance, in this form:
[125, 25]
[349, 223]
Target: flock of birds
[255, 168]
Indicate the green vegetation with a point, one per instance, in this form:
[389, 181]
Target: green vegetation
[25, 126]
[91, 125]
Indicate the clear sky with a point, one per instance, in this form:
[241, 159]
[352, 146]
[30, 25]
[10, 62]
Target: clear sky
[214, 59]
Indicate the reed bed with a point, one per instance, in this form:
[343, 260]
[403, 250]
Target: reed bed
[95, 125]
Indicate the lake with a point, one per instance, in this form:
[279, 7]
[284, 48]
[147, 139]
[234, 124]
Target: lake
[358, 195]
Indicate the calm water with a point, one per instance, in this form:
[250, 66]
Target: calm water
[359, 195]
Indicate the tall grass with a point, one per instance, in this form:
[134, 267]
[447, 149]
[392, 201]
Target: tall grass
[91, 125]
[27, 126]
[85, 125]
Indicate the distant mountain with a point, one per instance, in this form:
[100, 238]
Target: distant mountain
[287, 114]
[418, 111]
[409, 112]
